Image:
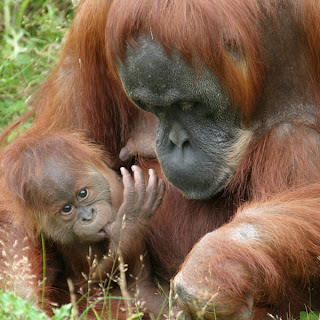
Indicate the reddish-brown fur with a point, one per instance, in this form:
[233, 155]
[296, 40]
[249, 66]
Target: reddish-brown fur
[279, 171]
[21, 259]
[281, 267]
[24, 213]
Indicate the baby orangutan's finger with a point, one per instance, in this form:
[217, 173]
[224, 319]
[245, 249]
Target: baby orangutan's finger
[152, 189]
[160, 195]
[139, 184]
[129, 193]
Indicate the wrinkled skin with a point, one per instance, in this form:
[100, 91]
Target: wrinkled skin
[197, 126]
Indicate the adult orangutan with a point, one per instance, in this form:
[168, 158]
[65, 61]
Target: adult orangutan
[235, 87]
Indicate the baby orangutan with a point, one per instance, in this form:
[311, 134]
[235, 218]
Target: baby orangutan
[77, 202]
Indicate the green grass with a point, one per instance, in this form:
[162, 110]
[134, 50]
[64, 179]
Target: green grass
[15, 308]
[30, 37]
[309, 315]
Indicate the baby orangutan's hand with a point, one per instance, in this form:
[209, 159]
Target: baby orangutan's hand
[140, 201]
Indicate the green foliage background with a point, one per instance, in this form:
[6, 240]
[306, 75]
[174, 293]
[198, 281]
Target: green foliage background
[31, 32]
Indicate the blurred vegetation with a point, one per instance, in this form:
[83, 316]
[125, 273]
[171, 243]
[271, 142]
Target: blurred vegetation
[15, 308]
[31, 33]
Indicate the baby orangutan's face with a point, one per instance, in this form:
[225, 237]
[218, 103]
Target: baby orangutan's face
[79, 205]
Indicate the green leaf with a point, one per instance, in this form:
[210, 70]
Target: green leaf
[309, 315]
[62, 313]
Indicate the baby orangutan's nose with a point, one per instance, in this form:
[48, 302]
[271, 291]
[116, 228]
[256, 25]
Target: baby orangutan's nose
[87, 215]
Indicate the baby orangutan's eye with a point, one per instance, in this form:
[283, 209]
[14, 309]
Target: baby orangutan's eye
[67, 209]
[83, 194]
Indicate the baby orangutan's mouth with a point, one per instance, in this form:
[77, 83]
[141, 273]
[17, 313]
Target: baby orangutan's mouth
[106, 230]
